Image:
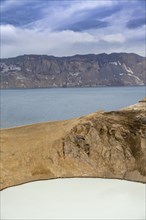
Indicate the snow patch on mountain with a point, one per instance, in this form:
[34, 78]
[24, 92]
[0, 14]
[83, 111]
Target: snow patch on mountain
[5, 68]
[128, 69]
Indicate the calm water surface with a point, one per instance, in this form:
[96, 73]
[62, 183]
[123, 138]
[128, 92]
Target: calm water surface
[27, 106]
[74, 199]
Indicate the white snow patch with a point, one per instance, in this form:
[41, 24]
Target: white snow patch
[28, 70]
[6, 68]
[140, 81]
[128, 69]
[114, 63]
[134, 76]
[137, 78]
[20, 77]
[74, 74]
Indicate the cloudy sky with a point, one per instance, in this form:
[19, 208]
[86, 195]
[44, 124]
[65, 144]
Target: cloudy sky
[69, 27]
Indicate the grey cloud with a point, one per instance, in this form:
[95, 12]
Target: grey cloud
[103, 12]
[85, 25]
[89, 19]
[136, 23]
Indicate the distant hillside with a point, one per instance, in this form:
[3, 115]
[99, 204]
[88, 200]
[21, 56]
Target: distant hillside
[34, 71]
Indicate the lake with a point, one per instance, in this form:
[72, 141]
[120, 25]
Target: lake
[27, 106]
[76, 198]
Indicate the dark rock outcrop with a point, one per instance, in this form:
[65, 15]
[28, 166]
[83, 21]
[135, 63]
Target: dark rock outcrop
[113, 144]
[34, 71]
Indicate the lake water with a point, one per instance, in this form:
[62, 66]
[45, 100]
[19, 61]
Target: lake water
[27, 106]
[74, 199]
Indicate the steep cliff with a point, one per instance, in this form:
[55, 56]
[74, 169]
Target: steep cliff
[34, 71]
[102, 144]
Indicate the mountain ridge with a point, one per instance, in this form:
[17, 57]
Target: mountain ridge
[94, 54]
[90, 70]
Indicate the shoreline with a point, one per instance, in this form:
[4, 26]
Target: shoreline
[75, 87]
[74, 177]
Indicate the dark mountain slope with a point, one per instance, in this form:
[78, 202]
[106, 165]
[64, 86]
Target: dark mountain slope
[33, 71]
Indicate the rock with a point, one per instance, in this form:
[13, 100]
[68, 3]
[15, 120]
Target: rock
[35, 71]
[143, 100]
[102, 144]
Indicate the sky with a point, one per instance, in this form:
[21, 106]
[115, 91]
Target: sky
[69, 27]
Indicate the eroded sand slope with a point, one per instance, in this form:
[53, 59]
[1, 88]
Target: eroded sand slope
[102, 144]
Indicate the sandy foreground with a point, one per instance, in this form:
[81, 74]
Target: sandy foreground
[102, 144]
